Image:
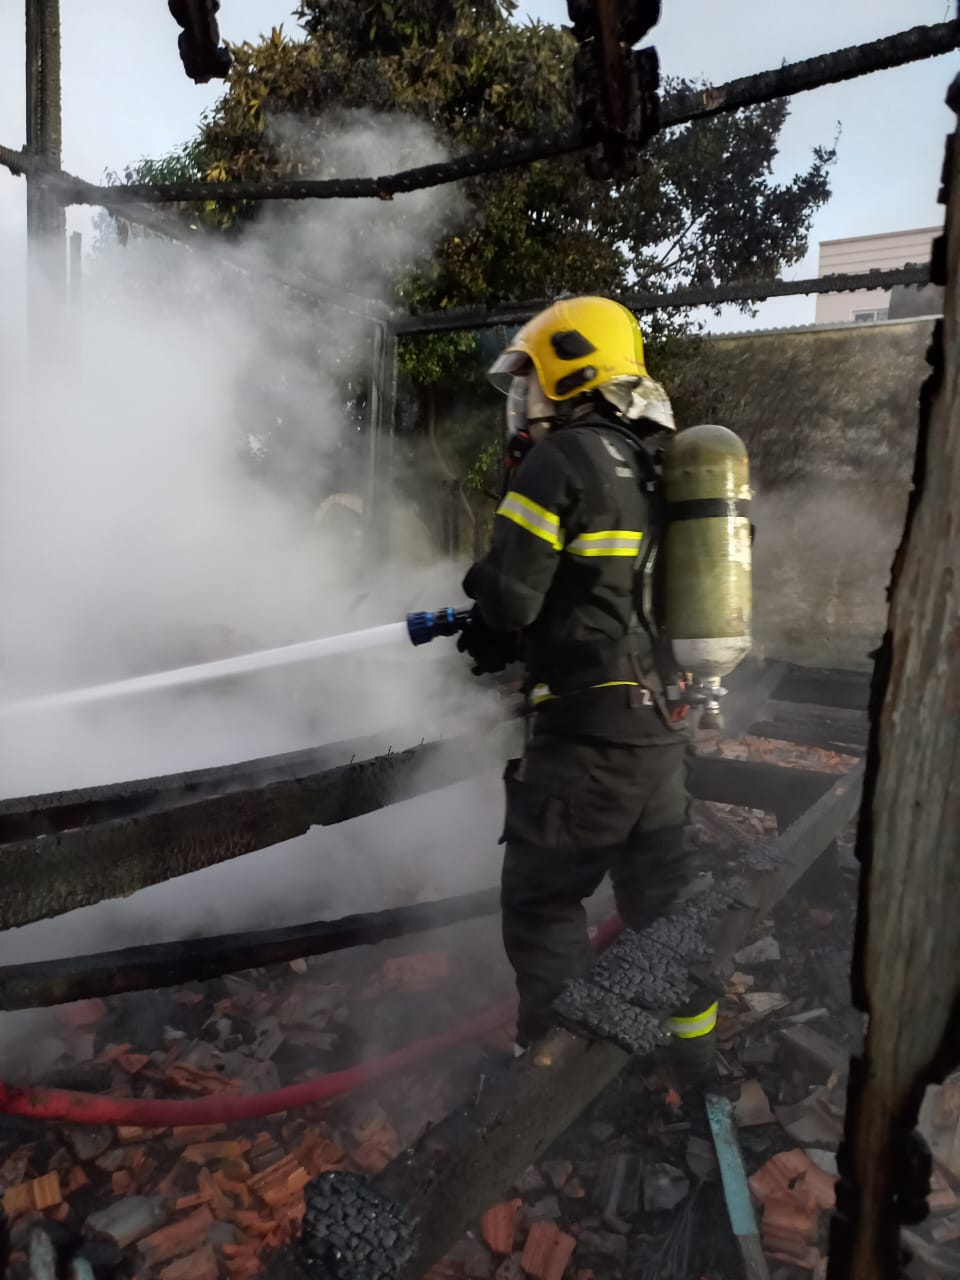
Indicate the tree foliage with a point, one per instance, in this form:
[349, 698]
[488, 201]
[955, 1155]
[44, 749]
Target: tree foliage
[704, 208]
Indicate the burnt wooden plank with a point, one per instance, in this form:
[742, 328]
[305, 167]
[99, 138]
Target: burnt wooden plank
[168, 964]
[76, 867]
[27, 816]
[825, 687]
[55, 874]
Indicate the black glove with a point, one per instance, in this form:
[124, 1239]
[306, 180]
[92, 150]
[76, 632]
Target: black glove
[490, 650]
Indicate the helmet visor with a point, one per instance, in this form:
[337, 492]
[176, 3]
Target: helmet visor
[516, 411]
[506, 368]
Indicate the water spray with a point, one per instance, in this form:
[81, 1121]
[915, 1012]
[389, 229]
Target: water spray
[418, 628]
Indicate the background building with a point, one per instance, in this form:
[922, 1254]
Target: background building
[868, 253]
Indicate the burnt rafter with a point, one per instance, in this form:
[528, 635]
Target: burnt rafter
[615, 87]
[204, 58]
[168, 964]
[508, 313]
[812, 73]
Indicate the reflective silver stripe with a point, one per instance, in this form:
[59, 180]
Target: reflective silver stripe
[607, 542]
[531, 516]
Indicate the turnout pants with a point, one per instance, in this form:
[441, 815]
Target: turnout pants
[576, 810]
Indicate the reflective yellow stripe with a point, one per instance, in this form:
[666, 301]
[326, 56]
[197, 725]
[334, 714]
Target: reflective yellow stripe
[531, 516]
[607, 542]
[541, 692]
[691, 1028]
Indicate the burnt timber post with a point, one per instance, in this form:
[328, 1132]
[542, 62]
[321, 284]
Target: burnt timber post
[907, 956]
[46, 217]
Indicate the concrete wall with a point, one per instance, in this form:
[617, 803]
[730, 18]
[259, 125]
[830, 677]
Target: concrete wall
[830, 419]
[867, 253]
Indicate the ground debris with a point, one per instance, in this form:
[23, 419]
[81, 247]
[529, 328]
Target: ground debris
[664, 1187]
[245, 1184]
[763, 951]
[751, 1107]
[498, 1226]
[547, 1252]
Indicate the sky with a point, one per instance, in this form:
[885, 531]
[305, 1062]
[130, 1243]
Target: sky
[125, 95]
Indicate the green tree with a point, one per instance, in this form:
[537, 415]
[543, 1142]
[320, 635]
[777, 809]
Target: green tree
[703, 208]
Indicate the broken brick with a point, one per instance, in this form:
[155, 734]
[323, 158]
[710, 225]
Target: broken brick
[34, 1196]
[547, 1251]
[207, 1186]
[132, 1063]
[274, 1172]
[136, 1133]
[788, 1215]
[319, 1155]
[250, 1223]
[200, 1265]
[791, 1169]
[280, 1190]
[207, 1152]
[371, 1158]
[498, 1226]
[81, 1013]
[114, 1051]
[187, 1135]
[176, 1239]
[238, 1190]
[413, 974]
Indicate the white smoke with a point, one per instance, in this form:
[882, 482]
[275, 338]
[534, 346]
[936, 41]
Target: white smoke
[139, 531]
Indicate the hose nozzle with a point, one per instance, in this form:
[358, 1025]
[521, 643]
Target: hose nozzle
[425, 626]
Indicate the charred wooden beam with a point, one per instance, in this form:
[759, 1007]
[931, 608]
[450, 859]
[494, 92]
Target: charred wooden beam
[907, 955]
[897, 50]
[516, 313]
[432, 1193]
[112, 845]
[170, 964]
[56, 811]
[78, 867]
[841, 690]
[753, 784]
[811, 726]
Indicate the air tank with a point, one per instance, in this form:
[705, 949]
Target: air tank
[707, 558]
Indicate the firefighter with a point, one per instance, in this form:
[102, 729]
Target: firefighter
[603, 783]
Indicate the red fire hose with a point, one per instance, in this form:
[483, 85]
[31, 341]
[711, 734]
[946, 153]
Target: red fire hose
[89, 1108]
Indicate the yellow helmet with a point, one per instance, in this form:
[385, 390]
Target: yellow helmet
[586, 344]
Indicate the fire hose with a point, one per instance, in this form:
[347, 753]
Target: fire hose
[68, 1107]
